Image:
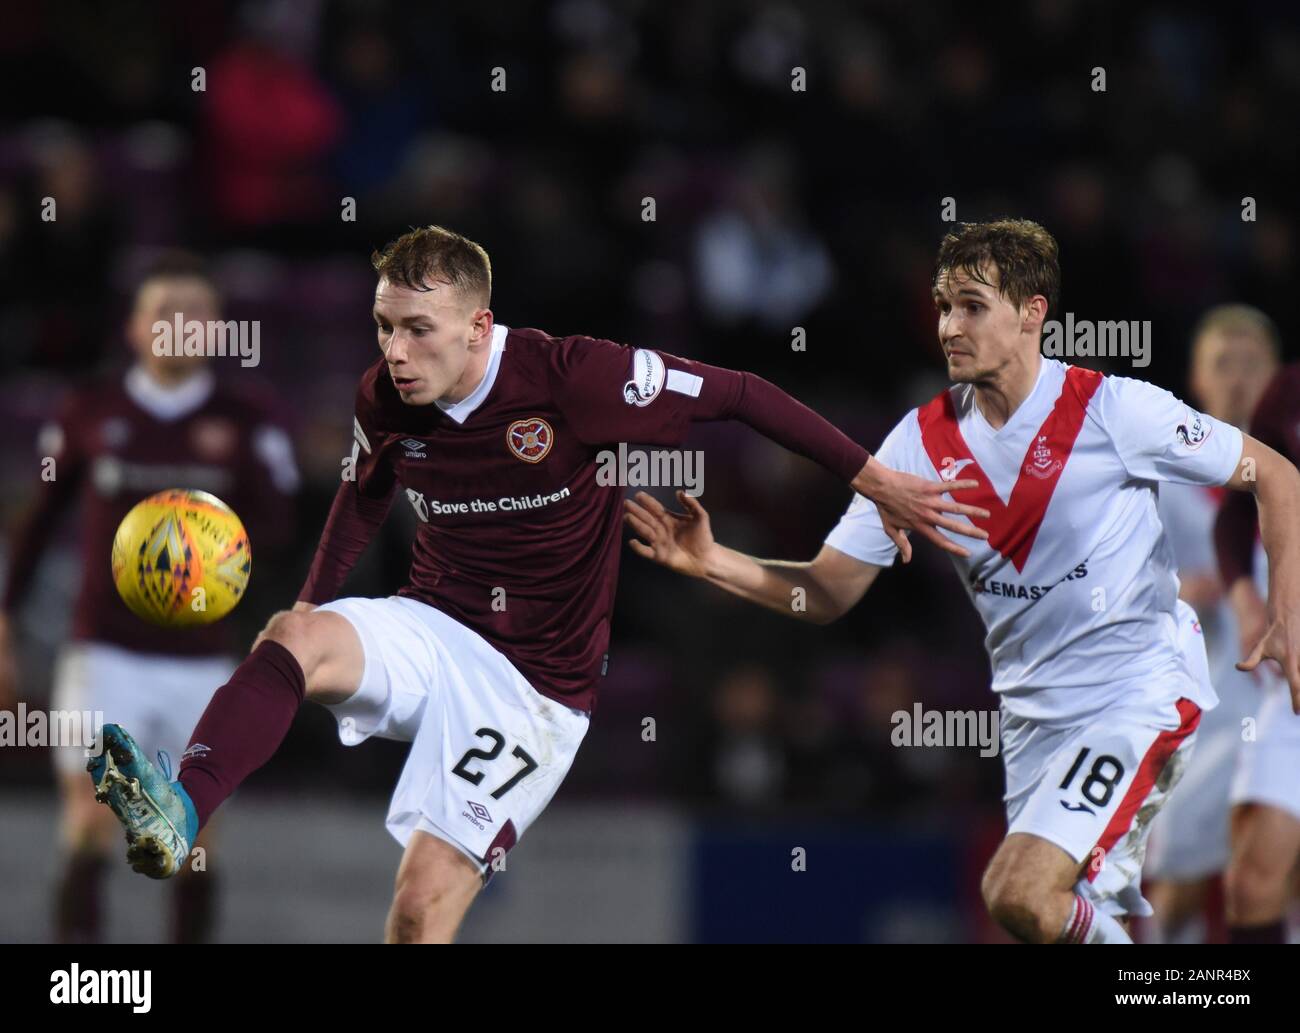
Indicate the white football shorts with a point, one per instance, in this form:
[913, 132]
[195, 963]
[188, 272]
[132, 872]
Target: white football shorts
[487, 750]
[1268, 766]
[1189, 839]
[158, 699]
[1093, 789]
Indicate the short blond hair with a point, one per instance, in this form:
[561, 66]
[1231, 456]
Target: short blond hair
[1238, 319]
[424, 256]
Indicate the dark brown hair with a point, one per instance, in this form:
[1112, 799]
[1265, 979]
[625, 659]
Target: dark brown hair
[423, 256]
[1024, 253]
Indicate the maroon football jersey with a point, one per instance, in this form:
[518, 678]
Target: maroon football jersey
[1277, 416]
[120, 441]
[1275, 423]
[517, 539]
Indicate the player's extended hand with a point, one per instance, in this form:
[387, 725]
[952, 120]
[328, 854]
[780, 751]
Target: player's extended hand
[680, 541]
[1281, 642]
[906, 502]
[1251, 613]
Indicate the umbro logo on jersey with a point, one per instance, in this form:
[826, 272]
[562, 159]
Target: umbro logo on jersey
[952, 467]
[1077, 807]
[197, 750]
[415, 449]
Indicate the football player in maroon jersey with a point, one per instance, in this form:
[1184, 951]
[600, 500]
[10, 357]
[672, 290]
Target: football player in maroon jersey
[1265, 829]
[167, 422]
[1234, 356]
[488, 660]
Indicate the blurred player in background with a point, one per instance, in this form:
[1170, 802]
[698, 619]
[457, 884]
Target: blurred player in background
[1234, 355]
[1100, 669]
[489, 659]
[1265, 796]
[167, 422]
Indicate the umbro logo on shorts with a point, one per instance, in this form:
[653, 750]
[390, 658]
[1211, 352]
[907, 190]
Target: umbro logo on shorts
[479, 810]
[197, 750]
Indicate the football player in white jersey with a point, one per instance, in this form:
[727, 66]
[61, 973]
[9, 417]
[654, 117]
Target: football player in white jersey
[1234, 356]
[1100, 669]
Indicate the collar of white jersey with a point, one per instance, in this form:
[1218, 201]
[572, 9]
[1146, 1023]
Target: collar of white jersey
[168, 402]
[1048, 368]
[459, 411]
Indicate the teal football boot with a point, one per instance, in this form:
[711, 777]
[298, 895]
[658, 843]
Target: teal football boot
[158, 815]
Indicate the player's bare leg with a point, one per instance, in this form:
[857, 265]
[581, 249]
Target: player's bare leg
[435, 883]
[326, 648]
[1176, 902]
[435, 886]
[1257, 884]
[1028, 887]
[89, 833]
[1029, 890]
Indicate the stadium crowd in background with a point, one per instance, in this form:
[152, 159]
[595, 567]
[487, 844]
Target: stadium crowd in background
[774, 209]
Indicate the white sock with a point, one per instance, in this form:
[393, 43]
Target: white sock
[1088, 925]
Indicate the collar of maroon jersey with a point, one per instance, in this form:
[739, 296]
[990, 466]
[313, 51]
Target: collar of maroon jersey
[168, 402]
[460, 411]
[1012, 526]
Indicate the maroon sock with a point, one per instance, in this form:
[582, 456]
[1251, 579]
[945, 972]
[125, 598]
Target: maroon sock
[1270, 932]
[78, 912]
[243, 726]
[193, 907]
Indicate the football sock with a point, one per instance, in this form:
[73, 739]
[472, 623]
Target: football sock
[1269, 932]
[1088, 925]
[193, 906]
[78, 913]
[243, 726]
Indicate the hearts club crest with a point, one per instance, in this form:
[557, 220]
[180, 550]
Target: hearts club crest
[530, 439]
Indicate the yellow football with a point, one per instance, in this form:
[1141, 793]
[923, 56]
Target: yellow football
[181, 558]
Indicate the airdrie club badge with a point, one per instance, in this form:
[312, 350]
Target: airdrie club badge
[530, 439]
[1041, 464]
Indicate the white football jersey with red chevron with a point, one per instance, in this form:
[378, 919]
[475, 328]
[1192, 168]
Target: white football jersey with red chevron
[1077, 583]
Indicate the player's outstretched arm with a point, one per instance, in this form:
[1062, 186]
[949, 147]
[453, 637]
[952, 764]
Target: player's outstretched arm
[906, 501]
[1276, 486]
[354, 520]
[654, 400]
[819, 591]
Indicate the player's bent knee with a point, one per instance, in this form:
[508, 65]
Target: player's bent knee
[1010, 905]
[289, 629]
[1253, 885]
[1019, 904]
[304, 635]
[327, 649]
